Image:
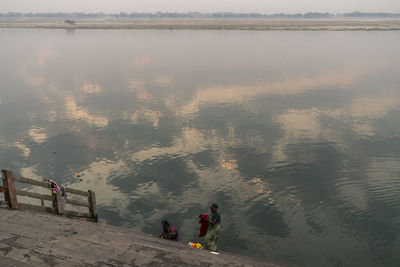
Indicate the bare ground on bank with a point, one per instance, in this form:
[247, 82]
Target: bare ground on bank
[212, 24]
[36, 239]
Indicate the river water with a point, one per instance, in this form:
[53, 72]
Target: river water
[296, 135]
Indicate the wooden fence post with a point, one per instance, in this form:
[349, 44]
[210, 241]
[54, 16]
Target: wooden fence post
[57, 203]
[9, 189]
[92, 205]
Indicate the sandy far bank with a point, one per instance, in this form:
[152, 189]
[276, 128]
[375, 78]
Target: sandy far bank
[213, 24]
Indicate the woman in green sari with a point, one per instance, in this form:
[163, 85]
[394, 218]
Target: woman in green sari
[214, 226]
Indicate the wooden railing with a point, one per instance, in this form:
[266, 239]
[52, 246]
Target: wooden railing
[11, 193]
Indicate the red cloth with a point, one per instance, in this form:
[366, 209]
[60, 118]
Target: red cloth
[204, 224]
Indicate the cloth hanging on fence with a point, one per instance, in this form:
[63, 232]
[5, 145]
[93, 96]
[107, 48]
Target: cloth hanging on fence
[53, 185]
[55, 188]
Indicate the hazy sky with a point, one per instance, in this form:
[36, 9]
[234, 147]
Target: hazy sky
[260, 6]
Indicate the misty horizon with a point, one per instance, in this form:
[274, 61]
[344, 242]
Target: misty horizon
[205, 6]
[158, 14]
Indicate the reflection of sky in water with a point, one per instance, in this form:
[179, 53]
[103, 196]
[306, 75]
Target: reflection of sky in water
[295, 134]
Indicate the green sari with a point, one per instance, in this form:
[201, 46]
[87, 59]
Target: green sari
[212, 234]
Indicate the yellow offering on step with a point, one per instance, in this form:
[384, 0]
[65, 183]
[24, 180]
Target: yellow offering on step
[195, 245]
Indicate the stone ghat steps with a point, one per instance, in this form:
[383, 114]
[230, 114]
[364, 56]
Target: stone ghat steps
[38, 239]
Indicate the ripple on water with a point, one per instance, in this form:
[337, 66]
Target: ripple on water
[382, 181]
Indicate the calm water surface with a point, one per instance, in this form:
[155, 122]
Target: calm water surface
[296, 135]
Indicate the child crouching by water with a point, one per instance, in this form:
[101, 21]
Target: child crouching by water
[169, 232]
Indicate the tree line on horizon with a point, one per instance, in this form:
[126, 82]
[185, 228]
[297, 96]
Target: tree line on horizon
[65, 15]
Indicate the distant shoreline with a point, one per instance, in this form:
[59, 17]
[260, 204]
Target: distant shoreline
[212, 24]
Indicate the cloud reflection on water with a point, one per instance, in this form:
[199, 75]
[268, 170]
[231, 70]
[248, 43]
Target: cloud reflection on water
[163, 80]
[78, 113]
[36, 81]
[240, 93]
[44, 56]
[91, 88]
[97, 175]
[293, 153]
[151, 116]
[25, 150]
[38, 134]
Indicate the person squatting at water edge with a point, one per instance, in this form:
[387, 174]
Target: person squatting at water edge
[213, 228]
[169, 232]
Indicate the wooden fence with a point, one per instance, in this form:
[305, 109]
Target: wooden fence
[11, 193]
